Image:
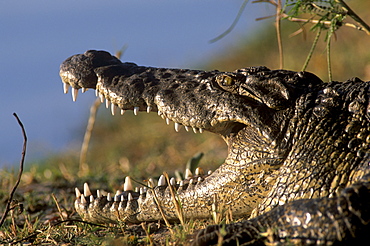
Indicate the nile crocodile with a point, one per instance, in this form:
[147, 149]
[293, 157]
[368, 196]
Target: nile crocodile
[298, 149]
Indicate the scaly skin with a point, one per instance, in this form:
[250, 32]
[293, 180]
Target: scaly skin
[290, 136]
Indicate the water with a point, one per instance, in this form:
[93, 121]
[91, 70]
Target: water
[36, 36]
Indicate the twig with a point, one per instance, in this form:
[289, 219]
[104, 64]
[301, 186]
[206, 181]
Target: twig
[278, 33]
[175, 201]
[151, 243]
[58, 207]
[330, 76]
[312, 50]
[241, 9]
[326, 23]
[265, 17]
[84, 168]
[161, 209]
[354, 16]
[266, 1]
[7, 209]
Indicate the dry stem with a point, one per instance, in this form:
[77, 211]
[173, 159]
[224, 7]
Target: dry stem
[84, 168]
[7, 209]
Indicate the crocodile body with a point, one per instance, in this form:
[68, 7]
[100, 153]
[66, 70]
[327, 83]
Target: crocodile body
[298, 149]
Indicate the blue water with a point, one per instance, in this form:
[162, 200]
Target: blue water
[36, 36]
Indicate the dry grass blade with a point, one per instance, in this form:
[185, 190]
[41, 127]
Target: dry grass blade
[176, 202]
[161, 210]
[7, 209]
[58, 207]
[147, 234]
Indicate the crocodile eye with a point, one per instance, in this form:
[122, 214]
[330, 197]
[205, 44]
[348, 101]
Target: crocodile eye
[225, 80]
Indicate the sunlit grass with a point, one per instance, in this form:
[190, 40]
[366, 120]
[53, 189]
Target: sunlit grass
[141, 146]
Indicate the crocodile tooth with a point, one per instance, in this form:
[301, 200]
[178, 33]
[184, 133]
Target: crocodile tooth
[173, 181]
[78, 193]
[84, 89]
[186, 128]
[121, 206]
[142, 191]
[188, 173]
[136, 110]
[151, 183]
[199, 171]
[167, 121]
[148, 109]
[65, 88]
[177, 127]
[181, 184]
[159, 112]
[118, 192]
[162, 181]
[122, 199]
[201, 130]
[96, 93]
[194, 130]
[113, 108]
[87, 191]
[116, 198]
[191, 181]
[200, 179]
[109, 198]
[83, 199]
[74, 94]
[209, 172]
[98, 195]
[101, 96]
[130, 198]
[107, 102]
[137, 189]
[91, 198]
[128, 184]
[122, 111]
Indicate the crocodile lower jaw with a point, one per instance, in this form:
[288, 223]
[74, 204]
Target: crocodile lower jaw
[124, 206]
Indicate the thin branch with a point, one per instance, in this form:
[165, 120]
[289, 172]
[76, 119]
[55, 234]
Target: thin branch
[330, 76]
[241, 9]
[175, 201]
[266, 1]
[84, 168]
[7, 209]
[312, 50]
[327, 23]
[354, 16]
[58, 207]
[161, 209]
[147, 234]
[278, 34]
[265, 17]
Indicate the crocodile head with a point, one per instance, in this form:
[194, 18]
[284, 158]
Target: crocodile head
[250, 108]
